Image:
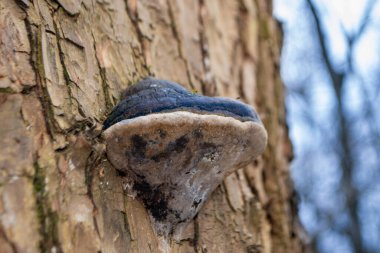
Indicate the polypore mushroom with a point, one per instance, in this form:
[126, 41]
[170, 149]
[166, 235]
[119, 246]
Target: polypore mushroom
[177, 146]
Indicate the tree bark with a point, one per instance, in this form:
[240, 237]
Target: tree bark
[64, 65]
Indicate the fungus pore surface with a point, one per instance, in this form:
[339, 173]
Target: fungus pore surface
[177, 146]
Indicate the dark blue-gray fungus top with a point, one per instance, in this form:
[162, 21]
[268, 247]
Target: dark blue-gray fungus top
[155, 96]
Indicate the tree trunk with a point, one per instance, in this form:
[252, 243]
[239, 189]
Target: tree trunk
[64, 65]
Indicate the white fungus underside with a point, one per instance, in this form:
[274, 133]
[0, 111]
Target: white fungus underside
[186, 155]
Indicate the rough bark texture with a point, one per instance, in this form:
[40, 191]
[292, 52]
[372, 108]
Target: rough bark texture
[64, 64]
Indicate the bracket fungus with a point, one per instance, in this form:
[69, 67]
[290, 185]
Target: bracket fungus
[177, 147]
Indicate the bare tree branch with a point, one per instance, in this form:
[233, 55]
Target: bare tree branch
[352, 39]
[347, 161]
[336, 77]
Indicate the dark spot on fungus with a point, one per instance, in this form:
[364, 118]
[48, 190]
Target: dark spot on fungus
[196, 203]
[177, 146]
[153, 199]
[162, 133]
[180, 144]
[209, 151]
[197, 133]
[207, 146]
[138, 146]
[121, 173]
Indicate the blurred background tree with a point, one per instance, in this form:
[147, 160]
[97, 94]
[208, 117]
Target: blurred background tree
[331, 67]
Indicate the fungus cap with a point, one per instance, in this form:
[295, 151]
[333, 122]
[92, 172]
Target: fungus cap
[178, 154]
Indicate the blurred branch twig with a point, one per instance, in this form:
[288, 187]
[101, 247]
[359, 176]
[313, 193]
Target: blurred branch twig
[344, 133]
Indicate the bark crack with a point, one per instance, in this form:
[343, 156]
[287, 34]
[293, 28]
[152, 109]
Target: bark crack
[204, 50]
[179, 44]
[133, 16]
[36, 61]
[93, 160]
[103, 77]
[66, 75]
[47, 218]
